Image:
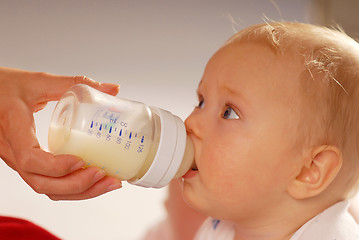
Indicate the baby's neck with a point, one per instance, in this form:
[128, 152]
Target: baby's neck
[279, 223]
[279, 230]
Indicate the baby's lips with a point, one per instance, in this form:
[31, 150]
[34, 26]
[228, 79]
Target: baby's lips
[194, 166]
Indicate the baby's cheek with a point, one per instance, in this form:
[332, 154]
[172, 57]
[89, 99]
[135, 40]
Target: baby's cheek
[217, 176]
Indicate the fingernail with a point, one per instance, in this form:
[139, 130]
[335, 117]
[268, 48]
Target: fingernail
[99, 175]
[78, 165]
[114, 186]
[110, 87]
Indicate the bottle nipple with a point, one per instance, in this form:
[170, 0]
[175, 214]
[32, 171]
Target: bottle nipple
[175, 153]
[187, 160]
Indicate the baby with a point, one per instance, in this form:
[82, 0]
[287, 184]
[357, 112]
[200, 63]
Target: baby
[276, 134]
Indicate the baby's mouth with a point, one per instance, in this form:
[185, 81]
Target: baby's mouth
[193, 171]
[194, 166]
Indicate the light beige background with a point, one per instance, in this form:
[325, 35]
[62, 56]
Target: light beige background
[156, 50]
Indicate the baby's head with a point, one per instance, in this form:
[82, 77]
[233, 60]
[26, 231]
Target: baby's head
[278, 112]
[329, 87]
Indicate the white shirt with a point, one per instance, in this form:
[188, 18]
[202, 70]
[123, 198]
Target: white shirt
[335, 223]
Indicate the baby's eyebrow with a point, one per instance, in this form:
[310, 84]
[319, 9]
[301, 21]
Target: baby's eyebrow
[233, 91]
[200, 83]
[199, 87]
[199, 95]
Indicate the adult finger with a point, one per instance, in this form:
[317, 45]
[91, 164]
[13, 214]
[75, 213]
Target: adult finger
[74, 183]
[103, 186]
[38, 161]
[50, 87]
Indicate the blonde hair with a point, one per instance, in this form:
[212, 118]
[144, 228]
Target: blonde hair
[330, 84]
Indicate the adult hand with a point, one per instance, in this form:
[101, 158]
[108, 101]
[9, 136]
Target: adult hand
[62, 177]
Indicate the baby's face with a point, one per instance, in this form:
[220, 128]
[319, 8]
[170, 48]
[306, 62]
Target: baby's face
[244, 131]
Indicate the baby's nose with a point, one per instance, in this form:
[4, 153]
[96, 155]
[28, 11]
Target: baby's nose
[193, 124]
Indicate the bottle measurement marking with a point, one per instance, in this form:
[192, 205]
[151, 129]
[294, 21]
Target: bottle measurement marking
[112, 129]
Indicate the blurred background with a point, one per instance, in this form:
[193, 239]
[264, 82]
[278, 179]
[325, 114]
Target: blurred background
[157, 51]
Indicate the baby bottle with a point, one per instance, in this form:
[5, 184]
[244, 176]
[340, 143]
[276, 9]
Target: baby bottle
[147, 146]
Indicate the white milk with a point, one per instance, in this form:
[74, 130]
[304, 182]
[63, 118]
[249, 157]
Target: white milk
[124, 164]
[111, 156]
[121, 152]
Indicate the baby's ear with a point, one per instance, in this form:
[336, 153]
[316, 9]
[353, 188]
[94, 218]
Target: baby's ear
[317, 172]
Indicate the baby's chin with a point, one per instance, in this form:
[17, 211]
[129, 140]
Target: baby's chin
[189, 193]
[193, 199]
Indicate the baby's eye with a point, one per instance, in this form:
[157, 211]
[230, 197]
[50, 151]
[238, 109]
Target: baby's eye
[200, 104]
[229, 113]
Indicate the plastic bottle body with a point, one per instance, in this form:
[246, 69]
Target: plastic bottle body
[122, 137]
